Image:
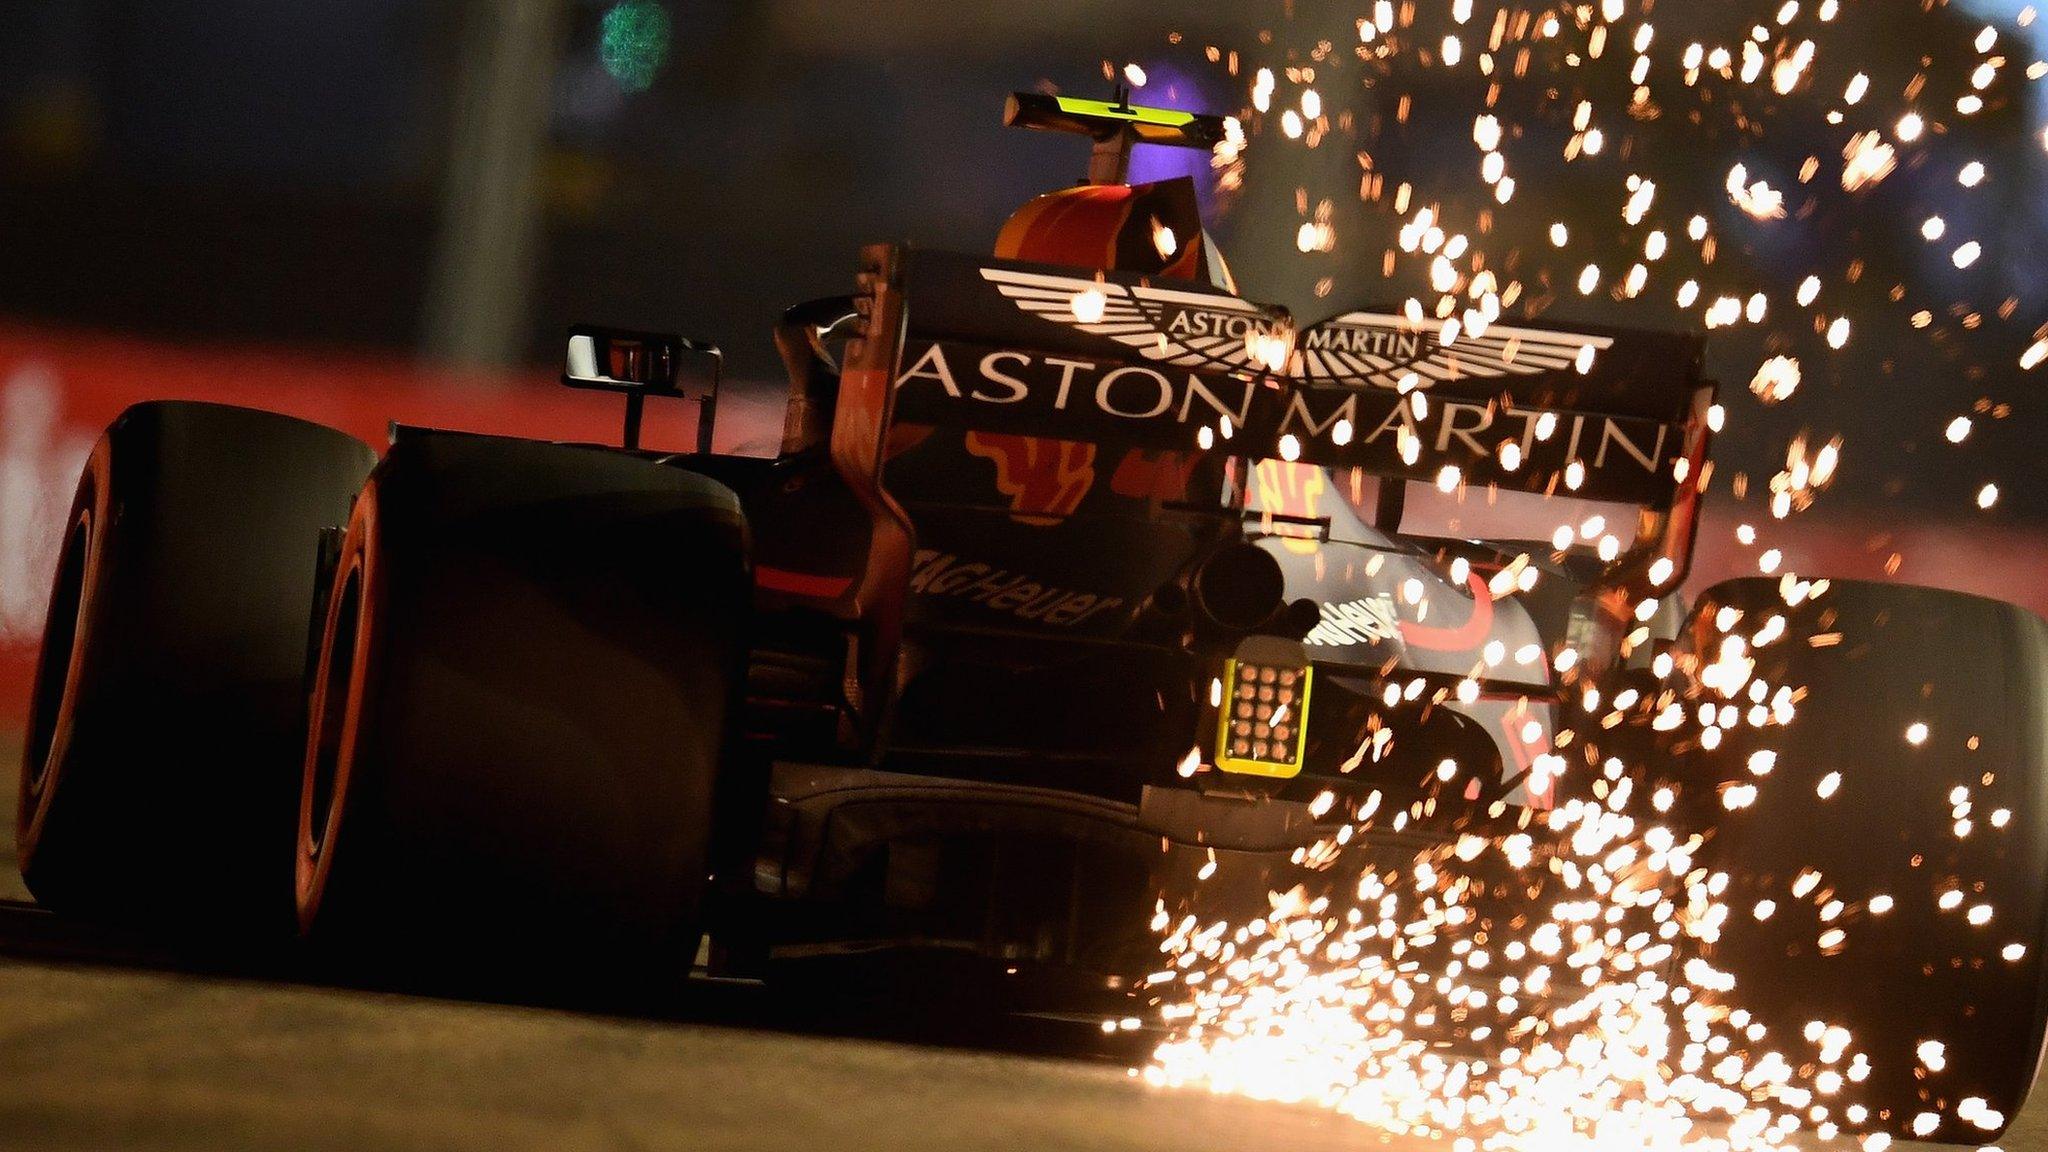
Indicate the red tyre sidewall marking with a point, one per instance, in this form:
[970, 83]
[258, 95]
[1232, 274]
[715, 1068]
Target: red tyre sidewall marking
[315, 857]
[91, 515]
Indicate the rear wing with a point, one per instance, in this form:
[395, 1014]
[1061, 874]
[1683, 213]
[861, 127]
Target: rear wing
[1037, 350]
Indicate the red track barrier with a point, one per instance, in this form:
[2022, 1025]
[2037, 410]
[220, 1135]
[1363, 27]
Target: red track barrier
[59, 387]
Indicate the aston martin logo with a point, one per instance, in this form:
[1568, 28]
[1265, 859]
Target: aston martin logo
[1184, 329]
[1356, 349]
[1381, 350]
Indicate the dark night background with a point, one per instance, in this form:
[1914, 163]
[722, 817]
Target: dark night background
[241, 172]
[360, 211]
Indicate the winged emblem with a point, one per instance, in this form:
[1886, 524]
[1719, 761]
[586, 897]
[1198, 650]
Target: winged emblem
[1379, 350]
[1224, 333]
[1184, 329]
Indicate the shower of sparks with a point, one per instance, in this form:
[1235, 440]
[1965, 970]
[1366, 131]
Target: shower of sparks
[1394, 993]
[1776, 379]
[1866, 160]
[1583, 1017]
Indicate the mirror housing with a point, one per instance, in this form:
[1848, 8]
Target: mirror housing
[639, 365]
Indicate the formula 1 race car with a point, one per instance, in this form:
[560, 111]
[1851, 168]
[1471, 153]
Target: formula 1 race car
[1076, 571]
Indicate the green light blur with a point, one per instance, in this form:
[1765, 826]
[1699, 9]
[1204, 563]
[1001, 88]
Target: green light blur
[633, 42]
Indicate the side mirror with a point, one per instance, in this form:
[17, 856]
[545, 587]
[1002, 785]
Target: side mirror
[642, 364]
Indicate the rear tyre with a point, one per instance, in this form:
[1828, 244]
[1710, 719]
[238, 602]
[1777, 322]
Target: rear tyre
[1913, 768]
[169, 705]
[520, 716]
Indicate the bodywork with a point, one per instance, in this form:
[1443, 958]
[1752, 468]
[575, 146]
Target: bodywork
[998, 711]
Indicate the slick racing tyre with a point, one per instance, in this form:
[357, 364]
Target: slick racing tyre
[519, 716]
[1898, 835]
[168, 712]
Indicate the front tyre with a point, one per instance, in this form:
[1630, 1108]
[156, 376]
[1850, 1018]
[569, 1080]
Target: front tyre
[520, 714]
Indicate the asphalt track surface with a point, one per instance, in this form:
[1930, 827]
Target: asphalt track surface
[110, 1044]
